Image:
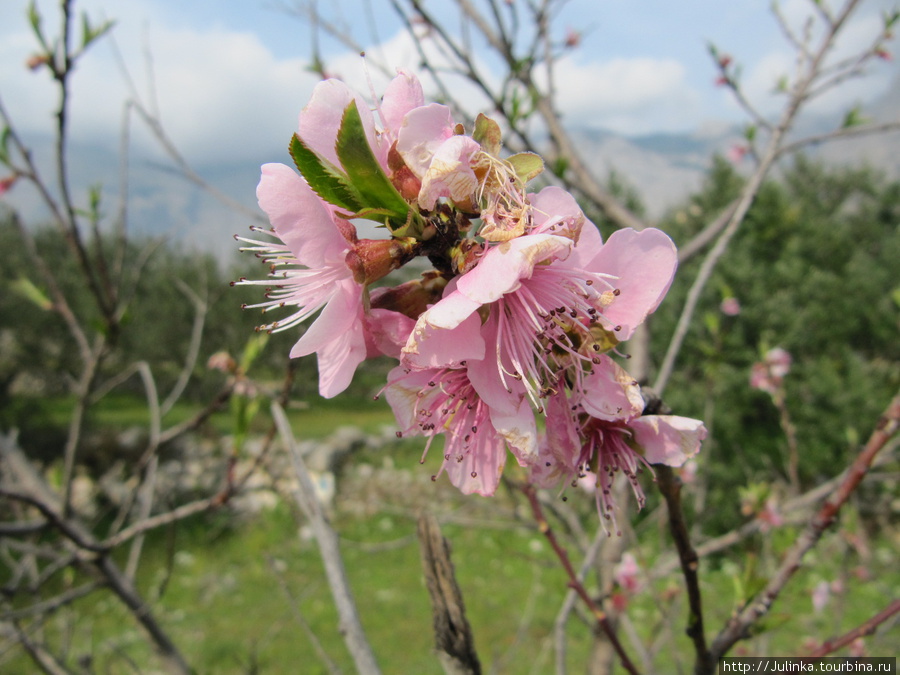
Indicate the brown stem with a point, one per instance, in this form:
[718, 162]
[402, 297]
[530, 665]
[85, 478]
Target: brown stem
[575, 584]
[670, 487]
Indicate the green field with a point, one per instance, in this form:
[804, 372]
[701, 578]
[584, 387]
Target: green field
[244, 594]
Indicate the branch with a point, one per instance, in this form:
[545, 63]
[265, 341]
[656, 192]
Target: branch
[575, 583]
[453, 637]
[329, 548]
[861, 631]
[670, 487]
[562, 617]
[739, 626]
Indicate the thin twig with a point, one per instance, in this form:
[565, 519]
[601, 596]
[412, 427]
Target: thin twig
[575, 584]
[867, 628]
[562, 617]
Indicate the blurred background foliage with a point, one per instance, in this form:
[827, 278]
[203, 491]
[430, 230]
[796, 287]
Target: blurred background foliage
[814, 271]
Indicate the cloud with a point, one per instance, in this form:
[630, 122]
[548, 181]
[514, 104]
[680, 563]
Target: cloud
[627, 95]
[221, 94]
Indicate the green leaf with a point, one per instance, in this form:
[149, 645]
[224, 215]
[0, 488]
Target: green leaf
[750, 132]
[364, 172]
[527, 165]
[25, 288]
[89, 33]
[487, 134]
[326, 180]
[34, 18]
[4, 145]
[254, 347]
[853, 118]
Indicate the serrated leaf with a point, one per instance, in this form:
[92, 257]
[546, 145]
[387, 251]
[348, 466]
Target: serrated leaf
[487, 134]
[364, 172]
[25, 288]
[527, 165]
[326, 180]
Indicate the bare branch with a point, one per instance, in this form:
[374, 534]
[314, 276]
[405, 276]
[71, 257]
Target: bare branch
[329, 548]
[867, 628]
[739, 625]
[599, 615]
[670, 487]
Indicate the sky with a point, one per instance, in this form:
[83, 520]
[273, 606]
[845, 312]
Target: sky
[228, 79]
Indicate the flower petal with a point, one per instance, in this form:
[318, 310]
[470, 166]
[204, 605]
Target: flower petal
[668, 439]
[300, 218]
[402, 95]
[610, 393]
[644, 263]
[432, 346]
[321, 119]
[423, 131]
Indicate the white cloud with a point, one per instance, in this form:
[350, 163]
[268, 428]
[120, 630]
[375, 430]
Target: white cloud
[222, 94]
[634, 95]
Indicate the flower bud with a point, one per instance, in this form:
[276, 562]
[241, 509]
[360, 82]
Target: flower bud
[372, 259]
[411, 298]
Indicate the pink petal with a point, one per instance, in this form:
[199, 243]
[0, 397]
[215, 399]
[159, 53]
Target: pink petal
[402, 95]
[321, 118]
[388, 331]
[519, 430]
[554, 208]
[610, 393]
[668, 439]
[342, 314]
[423, 131]
[338, 361]
[644, 263]
[503, 266]
[430, 346]
[480, 468]
[300, 218]
[450, 173]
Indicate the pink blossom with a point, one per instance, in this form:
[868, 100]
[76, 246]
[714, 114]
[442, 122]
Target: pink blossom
[439, 157]
[7, 183]
[730, 307]
[626, 573]
[736, 153]
[549, 294]
[768, 374]
[821, 594]
[577, 443]
[444, 401]
[573, 38]
[309, 273]
[320, 120]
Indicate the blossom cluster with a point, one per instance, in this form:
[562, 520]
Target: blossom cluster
[512, 327]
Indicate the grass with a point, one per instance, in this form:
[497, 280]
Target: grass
[235, 592]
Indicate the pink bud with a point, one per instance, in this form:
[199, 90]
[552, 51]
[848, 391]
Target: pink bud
[730, 307]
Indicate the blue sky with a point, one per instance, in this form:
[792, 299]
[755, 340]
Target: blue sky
[228, 78]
